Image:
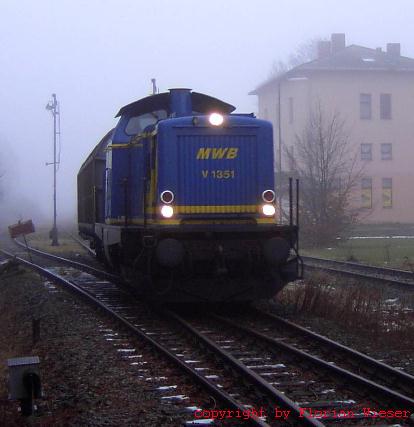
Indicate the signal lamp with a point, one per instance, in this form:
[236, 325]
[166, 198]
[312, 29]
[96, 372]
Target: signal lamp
[268, 210]
[167, 196]
[216, 119]
[167, 211]
[268, 196]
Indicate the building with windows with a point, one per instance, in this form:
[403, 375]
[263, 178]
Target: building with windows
[373, 91]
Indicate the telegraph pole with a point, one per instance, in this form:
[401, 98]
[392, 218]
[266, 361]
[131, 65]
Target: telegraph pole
[279, 166]
[53, 107]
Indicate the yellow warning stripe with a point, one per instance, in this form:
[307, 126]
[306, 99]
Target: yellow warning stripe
[136, 141]
[211, 209]
[123, 146]
[197, 209]
[266, 220]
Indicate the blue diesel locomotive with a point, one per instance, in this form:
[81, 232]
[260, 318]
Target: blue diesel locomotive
[179, 196]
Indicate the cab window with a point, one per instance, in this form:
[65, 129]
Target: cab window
[138, 123]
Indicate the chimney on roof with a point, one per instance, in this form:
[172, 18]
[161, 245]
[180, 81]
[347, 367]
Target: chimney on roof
[338, 42]
[324, 49]
[394, 49]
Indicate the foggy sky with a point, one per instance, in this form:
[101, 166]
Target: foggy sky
[98, 55]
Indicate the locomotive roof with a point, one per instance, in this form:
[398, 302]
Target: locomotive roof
[200, 103]
[98, 151]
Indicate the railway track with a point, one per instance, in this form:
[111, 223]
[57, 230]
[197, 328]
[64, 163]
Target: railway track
[316, 386]
[272, 328]
[119, 305]
[251, 371]
[83, 244]
[75, 264]
[400, 278]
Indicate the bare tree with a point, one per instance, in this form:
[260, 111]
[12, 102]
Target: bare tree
[305, 52]
[325, 161]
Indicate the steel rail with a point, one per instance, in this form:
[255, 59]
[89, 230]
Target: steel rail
[212, 388]
[84, 245]
[303, 417]
[400, 278]
[389, 394]
[83, 267]
[389, 374]
[364, 267]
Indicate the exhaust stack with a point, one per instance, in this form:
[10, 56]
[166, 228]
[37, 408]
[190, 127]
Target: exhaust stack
[180, 102]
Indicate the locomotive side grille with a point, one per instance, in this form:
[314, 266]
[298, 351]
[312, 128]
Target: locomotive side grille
[217, 174]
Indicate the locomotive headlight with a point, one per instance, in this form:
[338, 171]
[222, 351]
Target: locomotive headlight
[216, 119]
[268, 210]
[167, 211]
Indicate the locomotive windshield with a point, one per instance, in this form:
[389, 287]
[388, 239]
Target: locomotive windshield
[138, 123]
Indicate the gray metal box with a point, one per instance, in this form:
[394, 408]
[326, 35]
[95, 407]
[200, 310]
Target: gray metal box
[18, 367]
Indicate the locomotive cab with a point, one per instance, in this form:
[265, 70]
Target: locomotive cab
[190, 210]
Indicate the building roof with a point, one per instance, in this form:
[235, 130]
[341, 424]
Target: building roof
[351, 58]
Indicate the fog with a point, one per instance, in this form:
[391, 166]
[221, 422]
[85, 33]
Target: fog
[99, 55]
